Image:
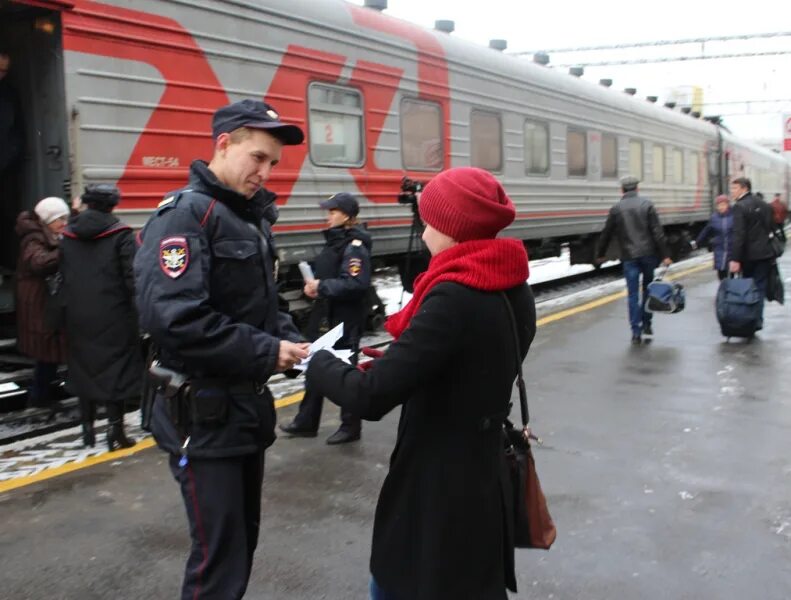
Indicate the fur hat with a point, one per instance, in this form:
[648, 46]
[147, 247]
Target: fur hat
[466, 203]
[52, 208]
[101, 196]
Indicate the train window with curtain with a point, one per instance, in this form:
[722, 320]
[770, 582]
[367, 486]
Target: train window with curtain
[335, 125]
[577, 153]
[421, 135]
[636, 159]
[536, 148]
[659, 164]
[609, 156]
[486, 141]
[678, 166]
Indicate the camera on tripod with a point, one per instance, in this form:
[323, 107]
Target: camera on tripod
[409, 191]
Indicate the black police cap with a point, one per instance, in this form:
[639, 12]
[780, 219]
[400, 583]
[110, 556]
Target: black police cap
[344, 202]
[256, 115]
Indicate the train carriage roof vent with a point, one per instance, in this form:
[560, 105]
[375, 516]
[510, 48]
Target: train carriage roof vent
[577, 71]
[445, 26]
[630, 91]
[379, 5]
[695, 114]
[652, 99]
[541, 58]
[498, 45]
[605, 82]
[670, 105]
[686, 109]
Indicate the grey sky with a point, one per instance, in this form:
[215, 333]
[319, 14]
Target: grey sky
[545, 25]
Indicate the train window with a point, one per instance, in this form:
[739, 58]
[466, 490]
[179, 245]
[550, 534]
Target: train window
[536, 148]
[421, 135]
[659, 164]
[693, 164]
[577, 153]
[609, 156]
[678, 166]
[486, 144]
[335, 125]
[636, 159]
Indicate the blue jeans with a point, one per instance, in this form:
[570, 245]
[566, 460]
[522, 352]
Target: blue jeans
[378, 593]
[632, 269]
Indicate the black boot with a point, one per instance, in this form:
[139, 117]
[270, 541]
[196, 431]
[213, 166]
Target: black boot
[116, 438]
[87, 415]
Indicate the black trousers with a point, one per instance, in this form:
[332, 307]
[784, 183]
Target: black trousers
[222, 497]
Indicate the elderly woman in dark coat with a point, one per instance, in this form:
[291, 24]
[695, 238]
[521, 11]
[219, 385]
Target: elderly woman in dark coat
[719, 230]
[39, 234]
[105, 362]
[441, 529]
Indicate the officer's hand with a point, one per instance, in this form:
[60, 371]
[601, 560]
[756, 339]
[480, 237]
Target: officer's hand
[290, 354]
[311, 288]
[667, 262]
[735, 266]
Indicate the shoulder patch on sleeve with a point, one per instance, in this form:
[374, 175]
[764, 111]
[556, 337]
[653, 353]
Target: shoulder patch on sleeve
[174, 256]
[355, 266]
[357, 243]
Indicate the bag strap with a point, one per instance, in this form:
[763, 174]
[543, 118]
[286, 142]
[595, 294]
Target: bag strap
[520, 381]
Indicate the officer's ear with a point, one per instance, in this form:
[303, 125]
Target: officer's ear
[222, 142]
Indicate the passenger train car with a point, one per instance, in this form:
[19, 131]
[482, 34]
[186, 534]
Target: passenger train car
[123, 92]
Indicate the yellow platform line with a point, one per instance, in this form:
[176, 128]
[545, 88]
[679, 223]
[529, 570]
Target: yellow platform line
[12, 484]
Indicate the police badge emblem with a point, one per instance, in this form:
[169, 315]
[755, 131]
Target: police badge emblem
[174, 256]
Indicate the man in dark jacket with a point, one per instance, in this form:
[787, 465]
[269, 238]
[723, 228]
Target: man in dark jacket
[105, 362]
[752, 224]
[343, 274]
[206, 294]
[641, 238]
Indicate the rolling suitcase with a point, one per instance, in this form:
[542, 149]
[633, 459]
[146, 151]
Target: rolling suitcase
[739, 307]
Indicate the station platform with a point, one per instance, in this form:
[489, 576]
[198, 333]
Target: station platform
[666, 467]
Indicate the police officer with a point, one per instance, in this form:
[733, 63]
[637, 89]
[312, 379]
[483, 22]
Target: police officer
[205, 281]
[343, 274]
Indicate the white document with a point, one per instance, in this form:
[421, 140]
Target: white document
[307, 272]
[326, 342]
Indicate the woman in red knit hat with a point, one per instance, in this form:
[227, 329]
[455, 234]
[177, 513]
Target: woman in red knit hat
[440, 528]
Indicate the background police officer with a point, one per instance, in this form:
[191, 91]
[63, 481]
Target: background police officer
[343, 274]
[206, 294]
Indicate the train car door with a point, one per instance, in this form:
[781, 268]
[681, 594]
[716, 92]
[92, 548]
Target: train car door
[30, 35]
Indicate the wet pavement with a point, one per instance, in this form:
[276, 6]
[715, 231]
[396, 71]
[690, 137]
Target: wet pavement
[666, 466]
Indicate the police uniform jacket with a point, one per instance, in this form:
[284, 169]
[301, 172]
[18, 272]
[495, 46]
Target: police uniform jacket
[636, 224]
[344, 270]
[441, 529]
[752, 223]
[206, 294]
[105, 360]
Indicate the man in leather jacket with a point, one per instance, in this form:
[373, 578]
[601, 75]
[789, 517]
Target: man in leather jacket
[642, 241]
[206, 293]
[752, 224]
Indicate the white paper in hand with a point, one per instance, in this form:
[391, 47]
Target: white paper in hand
[325, 342]
[307, 272]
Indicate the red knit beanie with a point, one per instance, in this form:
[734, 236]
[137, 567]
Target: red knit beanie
[466, 203]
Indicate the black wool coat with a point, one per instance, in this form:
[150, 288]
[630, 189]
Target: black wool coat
[105, 360]
[440, 530]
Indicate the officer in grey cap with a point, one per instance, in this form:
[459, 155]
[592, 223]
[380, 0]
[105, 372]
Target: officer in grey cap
[635, 222]
[206, 292]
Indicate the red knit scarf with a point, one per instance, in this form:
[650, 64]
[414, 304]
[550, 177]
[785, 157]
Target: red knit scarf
[487, 265]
